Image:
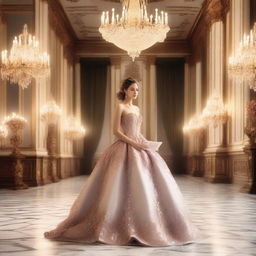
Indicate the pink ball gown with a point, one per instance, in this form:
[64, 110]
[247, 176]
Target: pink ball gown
[130, 195]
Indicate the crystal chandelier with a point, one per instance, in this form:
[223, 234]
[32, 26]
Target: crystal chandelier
[134, 31]
[25, 60]
[3, 132]
[194, 126]
[73, 129]
[50, 112]
[15, 122]
[215, 112]
[242, 66]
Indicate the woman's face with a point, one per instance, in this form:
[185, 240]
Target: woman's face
[132, 91]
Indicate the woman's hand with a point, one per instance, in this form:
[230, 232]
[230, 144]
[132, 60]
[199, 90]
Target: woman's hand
[140, 146]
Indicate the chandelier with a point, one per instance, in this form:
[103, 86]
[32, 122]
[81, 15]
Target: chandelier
[15, 122]
[50, 112]
[134, 30]
[215, 112]
[73, 129]
[3, 132]
[195, 125]
[242, 66]
[25, 60]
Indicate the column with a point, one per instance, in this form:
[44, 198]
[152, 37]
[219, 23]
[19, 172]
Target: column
[238, 93]
[3, 46]
[115, 71]
[39, 89]
[216, 157]
[152, 98]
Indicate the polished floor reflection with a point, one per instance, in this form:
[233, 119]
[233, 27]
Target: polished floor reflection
[226, 217]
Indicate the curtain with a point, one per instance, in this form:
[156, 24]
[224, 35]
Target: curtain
[252, 13]
[93, 91]
[170, 106]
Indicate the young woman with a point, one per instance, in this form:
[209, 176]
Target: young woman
[131, 195]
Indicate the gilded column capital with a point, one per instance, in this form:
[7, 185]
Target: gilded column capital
[151, 60]
[216, 10]
[115, 61]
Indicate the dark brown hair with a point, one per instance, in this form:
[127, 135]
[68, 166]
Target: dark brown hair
[125, 85]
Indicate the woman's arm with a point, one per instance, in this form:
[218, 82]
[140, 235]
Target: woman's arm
[119, 134]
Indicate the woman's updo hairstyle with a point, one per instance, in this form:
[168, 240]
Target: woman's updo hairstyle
[125, 85]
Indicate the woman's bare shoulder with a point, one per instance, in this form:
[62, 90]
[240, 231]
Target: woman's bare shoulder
[120, 107]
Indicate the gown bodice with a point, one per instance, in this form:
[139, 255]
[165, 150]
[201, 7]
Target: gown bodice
[131, 123]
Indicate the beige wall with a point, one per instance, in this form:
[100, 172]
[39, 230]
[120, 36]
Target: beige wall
[59, 86]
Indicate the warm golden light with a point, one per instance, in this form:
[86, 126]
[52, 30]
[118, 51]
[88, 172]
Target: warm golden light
[215, 112]
[25, 60]
[73, 129]
[242, 65]
[195, 125]
[50, 112]
[133, 30]
[15, 122]
[3, 132]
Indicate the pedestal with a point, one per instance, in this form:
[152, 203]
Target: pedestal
[17, 169]
[250, 150]
[51, 148]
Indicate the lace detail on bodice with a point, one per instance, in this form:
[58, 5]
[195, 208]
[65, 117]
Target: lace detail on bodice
[131, 123]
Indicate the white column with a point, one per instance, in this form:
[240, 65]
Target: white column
[152, 104]
[41, 87]
[3, 46]
[198, 88]
[238, 93]
[143, 99]
[115, 73]
[216, 78]
[3, 94]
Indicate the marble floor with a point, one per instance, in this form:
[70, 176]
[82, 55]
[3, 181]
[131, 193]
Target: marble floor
[226, 217]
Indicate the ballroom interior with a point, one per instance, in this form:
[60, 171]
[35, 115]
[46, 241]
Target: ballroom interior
[197, 91]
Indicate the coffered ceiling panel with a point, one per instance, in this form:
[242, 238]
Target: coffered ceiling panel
[84, 15]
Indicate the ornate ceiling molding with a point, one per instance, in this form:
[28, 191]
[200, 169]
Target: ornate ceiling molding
[60, 24]
[211, 12]
[84, 15]
[63, 23]
[215, 10]
[18, 8]
[102, 48]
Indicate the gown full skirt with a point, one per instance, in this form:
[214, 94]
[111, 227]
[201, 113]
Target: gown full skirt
[130, 195]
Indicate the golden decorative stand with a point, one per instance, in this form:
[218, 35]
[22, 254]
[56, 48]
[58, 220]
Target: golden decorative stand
[17, 165]
[51, 149]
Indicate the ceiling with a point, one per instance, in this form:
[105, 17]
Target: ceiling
[84, 15]
[16, 2]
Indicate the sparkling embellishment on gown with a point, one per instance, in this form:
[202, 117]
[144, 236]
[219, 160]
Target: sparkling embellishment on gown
[129, 195]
